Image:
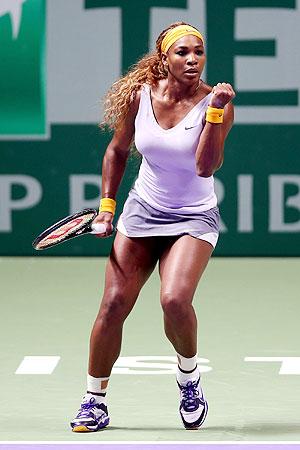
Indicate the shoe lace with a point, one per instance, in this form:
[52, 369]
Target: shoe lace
[87, 408]
[190, 394]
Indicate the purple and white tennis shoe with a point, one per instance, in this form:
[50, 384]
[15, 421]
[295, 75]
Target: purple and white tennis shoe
[193, 406]
[92, 415]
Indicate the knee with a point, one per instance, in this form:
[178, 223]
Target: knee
[175, 307]
[114, 307]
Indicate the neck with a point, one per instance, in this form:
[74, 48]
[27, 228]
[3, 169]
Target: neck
[176, 91]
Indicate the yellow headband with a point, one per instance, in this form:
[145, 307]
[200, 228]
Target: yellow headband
[176, 33]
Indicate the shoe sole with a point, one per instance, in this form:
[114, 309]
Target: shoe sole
[85, 429]
[81, 429]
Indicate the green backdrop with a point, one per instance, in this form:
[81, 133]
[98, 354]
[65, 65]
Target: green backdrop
[47, 168]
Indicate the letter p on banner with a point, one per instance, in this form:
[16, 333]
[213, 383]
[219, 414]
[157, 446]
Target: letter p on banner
[33, 194]
[22, 75]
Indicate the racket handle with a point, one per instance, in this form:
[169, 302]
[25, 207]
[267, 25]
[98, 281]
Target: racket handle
[98, 228]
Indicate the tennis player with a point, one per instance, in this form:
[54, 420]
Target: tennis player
[179, 125]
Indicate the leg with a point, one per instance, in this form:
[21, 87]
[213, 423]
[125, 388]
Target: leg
[130, 264]
[181, 267]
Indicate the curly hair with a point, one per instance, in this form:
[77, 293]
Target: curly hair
[149, 69]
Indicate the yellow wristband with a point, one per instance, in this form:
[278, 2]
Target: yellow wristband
[214, 115]
[107, 204]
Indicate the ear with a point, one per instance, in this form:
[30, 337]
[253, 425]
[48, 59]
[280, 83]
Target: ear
[164, 58]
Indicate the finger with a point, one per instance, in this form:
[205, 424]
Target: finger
[109, 229]
[98, 228]
[229, 89]
[101, 235]
[220, 88]
[226, 86]
[102, 229]
[223, 94]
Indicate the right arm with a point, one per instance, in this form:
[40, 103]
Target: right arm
[114, 162]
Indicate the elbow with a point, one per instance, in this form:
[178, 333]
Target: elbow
[207, 172]
[204, 173]
[116, 152]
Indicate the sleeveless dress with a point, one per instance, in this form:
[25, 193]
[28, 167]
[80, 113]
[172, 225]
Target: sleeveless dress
[168, 197]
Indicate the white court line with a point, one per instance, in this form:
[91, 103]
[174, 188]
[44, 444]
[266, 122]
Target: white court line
[37, 365]
[155, 442]
[289, 365]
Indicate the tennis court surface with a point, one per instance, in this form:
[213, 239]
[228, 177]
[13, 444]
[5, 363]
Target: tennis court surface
[248, 314]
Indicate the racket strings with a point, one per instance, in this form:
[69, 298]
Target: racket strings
[65, 230]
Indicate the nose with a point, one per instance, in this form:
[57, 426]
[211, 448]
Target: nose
[192, 60]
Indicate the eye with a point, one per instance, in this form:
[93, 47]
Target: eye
[181, 53]
[199, 52]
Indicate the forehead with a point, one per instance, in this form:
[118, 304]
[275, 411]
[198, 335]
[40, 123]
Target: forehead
[188, 41]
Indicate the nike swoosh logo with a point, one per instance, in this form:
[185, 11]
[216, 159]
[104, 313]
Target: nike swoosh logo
[189, 128]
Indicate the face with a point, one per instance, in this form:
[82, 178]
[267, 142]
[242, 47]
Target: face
[186, 59]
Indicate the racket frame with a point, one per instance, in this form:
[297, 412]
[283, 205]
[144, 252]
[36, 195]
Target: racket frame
[85, 228]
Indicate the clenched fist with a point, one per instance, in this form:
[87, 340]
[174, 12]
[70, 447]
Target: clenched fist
[222, 93]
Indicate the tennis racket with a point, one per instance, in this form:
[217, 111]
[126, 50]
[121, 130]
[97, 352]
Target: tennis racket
[70, 227]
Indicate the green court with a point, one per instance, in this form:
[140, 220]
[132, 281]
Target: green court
[247, 308]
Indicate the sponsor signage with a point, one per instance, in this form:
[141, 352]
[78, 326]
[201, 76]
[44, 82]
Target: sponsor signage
[53, 77]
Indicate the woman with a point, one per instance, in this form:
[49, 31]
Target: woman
[179, 125]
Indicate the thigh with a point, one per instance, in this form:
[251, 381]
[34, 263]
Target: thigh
[181, 265]
[130, 263]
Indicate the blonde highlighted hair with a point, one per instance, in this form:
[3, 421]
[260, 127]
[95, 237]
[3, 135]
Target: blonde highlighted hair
[148, 69]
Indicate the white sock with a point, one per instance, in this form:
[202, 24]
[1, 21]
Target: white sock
[97, 386]
[187, 364]
[187, 369]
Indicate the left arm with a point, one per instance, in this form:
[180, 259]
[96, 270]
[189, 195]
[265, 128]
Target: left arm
[210, 150]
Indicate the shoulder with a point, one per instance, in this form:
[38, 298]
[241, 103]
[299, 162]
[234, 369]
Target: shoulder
[128, 119]
[135, 98]
[158, 88]
[133, 106]
[135, 101]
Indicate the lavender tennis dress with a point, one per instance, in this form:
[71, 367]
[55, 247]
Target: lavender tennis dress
[168, 197]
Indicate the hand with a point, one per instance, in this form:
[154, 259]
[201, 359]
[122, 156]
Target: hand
[105, 218]
[223, 93]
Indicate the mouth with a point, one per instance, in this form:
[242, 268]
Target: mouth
[193, 71]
